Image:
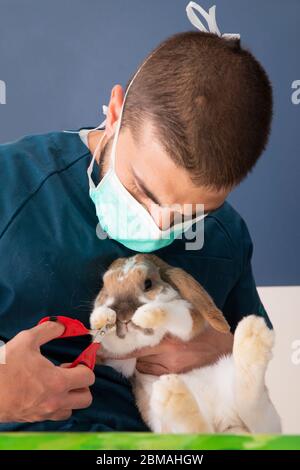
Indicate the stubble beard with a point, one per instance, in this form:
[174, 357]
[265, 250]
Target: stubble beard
[103, 162]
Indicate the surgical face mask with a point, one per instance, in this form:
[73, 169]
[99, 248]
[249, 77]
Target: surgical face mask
[121, 216]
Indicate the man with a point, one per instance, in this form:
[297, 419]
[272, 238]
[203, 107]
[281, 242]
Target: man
[196, 120]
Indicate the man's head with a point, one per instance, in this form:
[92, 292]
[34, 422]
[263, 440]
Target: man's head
[195, 121]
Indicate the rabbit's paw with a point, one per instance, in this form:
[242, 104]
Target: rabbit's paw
[253, 342]
[102, 316]
[149, 316]
[168, 391]
[175, 407]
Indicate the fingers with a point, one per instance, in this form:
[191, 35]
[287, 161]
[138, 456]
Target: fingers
[61, 408]
[45, 332]
[76, 400]
[79, 399]
[78, 377]
[61, 415]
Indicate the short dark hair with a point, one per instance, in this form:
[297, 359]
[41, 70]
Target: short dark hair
[210, 103]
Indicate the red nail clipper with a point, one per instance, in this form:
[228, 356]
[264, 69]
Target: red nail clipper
[74, 327]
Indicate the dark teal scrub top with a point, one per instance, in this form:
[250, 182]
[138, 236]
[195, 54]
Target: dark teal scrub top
[52, 262]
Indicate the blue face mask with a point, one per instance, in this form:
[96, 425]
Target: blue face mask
[121, 216]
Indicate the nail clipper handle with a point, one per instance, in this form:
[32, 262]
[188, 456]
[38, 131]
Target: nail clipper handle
[87, 357]
[72, 326]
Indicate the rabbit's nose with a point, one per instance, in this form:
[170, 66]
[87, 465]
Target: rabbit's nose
[125, 308]
[124, 314]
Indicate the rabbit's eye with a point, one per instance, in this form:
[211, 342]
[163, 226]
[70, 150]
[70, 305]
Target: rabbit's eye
[147, 284]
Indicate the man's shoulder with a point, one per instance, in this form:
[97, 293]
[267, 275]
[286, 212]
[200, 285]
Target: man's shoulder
[26, 163]
[48, 150]
[227, 228]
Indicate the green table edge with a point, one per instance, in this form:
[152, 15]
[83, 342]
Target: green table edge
[144, 441]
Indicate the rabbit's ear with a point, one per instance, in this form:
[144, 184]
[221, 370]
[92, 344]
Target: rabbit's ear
[192, 291]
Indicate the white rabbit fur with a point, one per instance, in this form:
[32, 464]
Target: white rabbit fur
[228, 396]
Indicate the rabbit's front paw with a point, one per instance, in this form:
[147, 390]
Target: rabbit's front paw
[149, 316]
[102, 316]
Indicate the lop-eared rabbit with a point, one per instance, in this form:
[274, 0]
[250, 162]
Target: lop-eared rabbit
[145, 298]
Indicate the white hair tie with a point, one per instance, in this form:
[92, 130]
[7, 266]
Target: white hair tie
[210, 19]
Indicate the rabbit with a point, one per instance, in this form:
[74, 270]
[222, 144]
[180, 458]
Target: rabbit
[145, 298]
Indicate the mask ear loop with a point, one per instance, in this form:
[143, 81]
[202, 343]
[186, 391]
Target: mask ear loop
[91, 165]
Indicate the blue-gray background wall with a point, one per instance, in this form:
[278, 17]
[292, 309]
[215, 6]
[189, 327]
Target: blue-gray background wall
[60, 59]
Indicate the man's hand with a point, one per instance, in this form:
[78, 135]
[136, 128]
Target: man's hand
[32, 388]
[175, 356]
